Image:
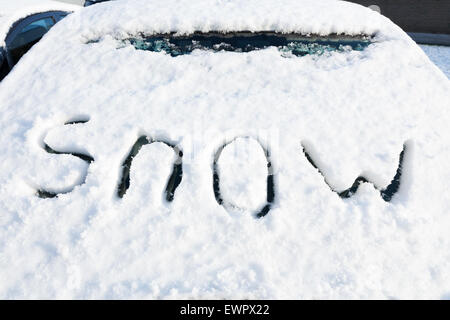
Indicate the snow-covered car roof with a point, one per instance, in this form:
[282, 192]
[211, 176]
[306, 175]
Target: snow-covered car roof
[160, 163]
[204, 15]
[12, 11]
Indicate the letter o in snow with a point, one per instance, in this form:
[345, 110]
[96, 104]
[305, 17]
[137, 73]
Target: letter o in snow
[243, 176]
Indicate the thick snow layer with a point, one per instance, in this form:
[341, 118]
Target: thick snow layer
[225, 15]
[351, 112]
[14, 10]
[440, 55]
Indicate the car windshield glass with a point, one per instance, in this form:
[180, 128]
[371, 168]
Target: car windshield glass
[245, 42]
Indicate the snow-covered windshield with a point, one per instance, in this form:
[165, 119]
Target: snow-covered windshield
[245, 42]
[132, 174]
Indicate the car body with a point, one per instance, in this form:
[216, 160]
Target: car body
[225, 149]
[22, 24]
[91, 2]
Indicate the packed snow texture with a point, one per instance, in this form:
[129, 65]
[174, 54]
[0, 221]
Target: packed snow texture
[440, 55]
[12, 11]
[353, 112]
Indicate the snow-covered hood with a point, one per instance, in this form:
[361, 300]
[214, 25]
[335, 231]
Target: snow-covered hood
[320, 120]
[14, 10]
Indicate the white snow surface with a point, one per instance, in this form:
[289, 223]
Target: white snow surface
[440, 55]
[14, 10]
[353, 112]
